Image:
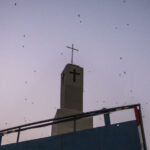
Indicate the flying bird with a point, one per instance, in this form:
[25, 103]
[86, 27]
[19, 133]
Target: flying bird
[25, 99]
[79, 15]
[131, 91]
[116, 28]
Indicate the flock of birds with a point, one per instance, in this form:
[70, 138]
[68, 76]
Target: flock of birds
[124, 72]
[116, 27]
[79, 16]
[120, 74]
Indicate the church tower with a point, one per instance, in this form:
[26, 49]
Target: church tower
[71, 99]
[72, 87]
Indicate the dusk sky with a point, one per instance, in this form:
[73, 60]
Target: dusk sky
[113, 38]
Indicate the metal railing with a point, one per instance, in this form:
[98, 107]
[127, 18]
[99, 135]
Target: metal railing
[73, 118]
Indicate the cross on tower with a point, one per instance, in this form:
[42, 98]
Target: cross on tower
[74, 74]
[73, 49]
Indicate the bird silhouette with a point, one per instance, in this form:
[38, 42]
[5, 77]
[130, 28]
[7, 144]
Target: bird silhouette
[131, 91]
[25, 99]
[116, 28]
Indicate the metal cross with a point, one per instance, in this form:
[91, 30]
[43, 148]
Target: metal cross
[73, 49]
[74, 72]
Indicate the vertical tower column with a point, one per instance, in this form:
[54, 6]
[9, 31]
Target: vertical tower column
[71, 100]
[72, 88]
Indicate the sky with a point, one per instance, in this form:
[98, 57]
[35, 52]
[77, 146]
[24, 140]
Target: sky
[113, 38]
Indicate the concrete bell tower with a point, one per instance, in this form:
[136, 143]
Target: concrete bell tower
[72, 87]
[71, 99]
